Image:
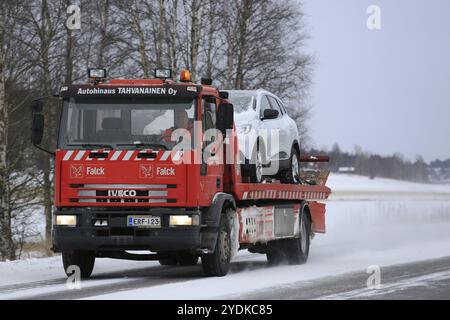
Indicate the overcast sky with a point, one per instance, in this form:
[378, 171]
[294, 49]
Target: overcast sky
[389, 90]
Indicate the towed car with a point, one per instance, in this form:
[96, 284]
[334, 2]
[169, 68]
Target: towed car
[268, 136]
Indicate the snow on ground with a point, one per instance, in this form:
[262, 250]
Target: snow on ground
[347, 187]
[366, 225]
[38, 269]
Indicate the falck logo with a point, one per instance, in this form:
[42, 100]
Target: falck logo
[76, 171]
[146, 171]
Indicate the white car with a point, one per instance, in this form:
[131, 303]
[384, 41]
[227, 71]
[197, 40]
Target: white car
[267, 135]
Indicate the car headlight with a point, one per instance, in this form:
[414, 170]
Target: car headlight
[184, 220]
[68, 221]
[244, 129]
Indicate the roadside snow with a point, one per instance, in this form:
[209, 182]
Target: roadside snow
[31, 270]
[350, 187]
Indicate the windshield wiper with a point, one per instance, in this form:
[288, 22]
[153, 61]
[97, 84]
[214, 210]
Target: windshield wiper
[92, 145]
[143, 145]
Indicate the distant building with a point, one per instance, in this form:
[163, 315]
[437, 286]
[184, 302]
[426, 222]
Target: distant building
[346, 170]
[439, 171]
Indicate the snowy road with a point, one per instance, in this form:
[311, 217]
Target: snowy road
[403, 228]
[418, 280]
[412, 281]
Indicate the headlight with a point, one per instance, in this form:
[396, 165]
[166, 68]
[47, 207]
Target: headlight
[184, 220]
[69, 221]
[244, 129]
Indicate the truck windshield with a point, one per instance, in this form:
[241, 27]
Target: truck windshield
[124, 123]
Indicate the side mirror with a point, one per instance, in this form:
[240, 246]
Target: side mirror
[225, 117]
[36, 106]
[270, 114]
[223, 95]
[37, 128]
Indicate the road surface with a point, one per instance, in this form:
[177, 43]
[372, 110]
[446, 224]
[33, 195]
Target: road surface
[418, 280]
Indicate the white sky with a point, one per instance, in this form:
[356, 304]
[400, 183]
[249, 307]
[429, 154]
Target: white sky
[389, 90]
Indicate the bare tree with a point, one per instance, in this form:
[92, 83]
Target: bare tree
[6, 241]
[194, 21]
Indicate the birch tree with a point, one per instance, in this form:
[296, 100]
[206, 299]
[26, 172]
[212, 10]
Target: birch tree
[6, 241]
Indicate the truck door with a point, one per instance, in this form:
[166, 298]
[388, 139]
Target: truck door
[211, 172]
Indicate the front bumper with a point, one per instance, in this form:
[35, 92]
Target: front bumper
[118, 236]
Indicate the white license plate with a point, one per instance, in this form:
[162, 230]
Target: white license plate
[144, 221]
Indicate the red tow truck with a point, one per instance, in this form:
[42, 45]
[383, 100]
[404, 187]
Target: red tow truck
[121, 185]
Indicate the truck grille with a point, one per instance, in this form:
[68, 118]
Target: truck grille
[122, 193]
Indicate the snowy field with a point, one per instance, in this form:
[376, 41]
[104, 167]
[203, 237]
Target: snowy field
[369, 222]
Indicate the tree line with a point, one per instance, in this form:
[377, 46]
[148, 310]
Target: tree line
[241, 44]
[373, 165]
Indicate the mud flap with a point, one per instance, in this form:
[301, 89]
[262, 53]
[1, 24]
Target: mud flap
[234, 232]
[317, 211]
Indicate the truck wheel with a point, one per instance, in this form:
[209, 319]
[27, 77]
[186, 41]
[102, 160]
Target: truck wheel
[291, 175]
[275, 257]
[218, 263]
[85, 260]
[168, 261]
[298, 250]
[187, 260]
[257, 163]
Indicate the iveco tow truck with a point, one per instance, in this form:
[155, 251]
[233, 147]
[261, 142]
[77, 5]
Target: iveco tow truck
[152, 165]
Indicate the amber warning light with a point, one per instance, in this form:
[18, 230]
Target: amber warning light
[185, 76]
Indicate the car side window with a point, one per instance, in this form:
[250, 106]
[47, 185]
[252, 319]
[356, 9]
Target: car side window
[281, 106]
[264, 105]
[275, 105]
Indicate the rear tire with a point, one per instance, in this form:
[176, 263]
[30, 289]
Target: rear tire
[187, 260]
[218, 263]
[275, 257]
[292, 174]
[168, 261]
[85, 260]
[298, 249]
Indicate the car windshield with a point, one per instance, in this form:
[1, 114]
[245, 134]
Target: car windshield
[241, 101]
[121, 123]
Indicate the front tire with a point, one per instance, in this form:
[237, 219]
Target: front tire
[218, 263]
[85, 260]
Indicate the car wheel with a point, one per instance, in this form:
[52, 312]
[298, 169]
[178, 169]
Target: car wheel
[292, 174]
[257, 164]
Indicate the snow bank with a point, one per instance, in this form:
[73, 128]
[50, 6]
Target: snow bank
[346, 183]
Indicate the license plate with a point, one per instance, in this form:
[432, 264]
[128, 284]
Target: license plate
[144, 221]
